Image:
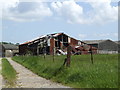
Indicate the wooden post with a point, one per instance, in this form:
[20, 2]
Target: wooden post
[38, 50]
[65, 61]
[69, 48]
[53, 54]
[44, 54]
[91, 54]
[44, 50]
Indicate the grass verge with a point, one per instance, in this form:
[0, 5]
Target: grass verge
[8, 73]
[81, 74]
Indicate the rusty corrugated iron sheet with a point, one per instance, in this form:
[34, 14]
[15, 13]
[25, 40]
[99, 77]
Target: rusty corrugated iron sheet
[25, 43]
[57, 34]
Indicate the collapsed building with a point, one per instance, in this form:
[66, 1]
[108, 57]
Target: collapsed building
[56, 43]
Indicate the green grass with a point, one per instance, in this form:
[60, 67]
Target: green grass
[8, 73]
[81, 74]
[0, 69]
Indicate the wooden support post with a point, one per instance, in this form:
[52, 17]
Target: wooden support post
[44, 50]
[69, 49]
[37, 50]
[91, 54]
[65, 61]
[53, 54]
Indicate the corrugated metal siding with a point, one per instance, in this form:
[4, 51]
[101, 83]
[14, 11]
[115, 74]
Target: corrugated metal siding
[108, 45]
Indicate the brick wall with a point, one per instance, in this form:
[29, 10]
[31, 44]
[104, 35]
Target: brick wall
[73, 41]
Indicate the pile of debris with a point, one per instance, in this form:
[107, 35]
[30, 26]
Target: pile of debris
[78, 50]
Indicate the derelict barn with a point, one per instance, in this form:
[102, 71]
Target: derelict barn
[52, 44]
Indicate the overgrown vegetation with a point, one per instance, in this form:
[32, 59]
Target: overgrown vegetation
[8, 73]
[0, 67]
[9, 43]
[81, 74]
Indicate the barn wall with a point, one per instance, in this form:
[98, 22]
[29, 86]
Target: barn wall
[118, 48]
[2, 51]
[107, 52]
[94, 45]
[87, 52]
[23, 49]
[108, 46]
[73, 41]
[94, 51]
[8, 53]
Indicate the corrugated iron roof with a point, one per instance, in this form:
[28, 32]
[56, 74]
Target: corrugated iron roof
[93, 41]
[42, 36]
[10, 47]
[118, 42]
[57, 34]
[25, 43]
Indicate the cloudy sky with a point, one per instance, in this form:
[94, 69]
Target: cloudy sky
[83, 20]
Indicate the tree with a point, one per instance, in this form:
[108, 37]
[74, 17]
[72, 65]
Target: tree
[17, 44]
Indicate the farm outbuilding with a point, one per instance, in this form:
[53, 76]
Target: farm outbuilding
[104, 46]
[118, 42]
[2, 51]
[56, 43]
[8, 50]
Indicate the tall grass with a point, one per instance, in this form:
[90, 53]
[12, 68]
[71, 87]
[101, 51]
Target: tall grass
[81, 74]
[0, 68]
[8, 73]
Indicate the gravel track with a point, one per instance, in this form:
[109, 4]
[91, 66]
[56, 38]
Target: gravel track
[27, 79]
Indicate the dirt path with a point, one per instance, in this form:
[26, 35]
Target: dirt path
[27, 79]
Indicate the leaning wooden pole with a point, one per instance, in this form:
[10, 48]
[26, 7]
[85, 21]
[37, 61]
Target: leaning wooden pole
[68, 56]
[44, 50]
[91, 54]
[53, 54]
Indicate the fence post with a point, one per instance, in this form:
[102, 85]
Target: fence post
[91, 54]
[69, 49]
[53, 54]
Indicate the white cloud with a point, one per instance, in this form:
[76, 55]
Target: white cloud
[25, 11]
[82, 36]
[102, 34]
[115, 34]
[98, 36]
[102, 11]
[4, 5]
[105, 35]
[70, 10]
